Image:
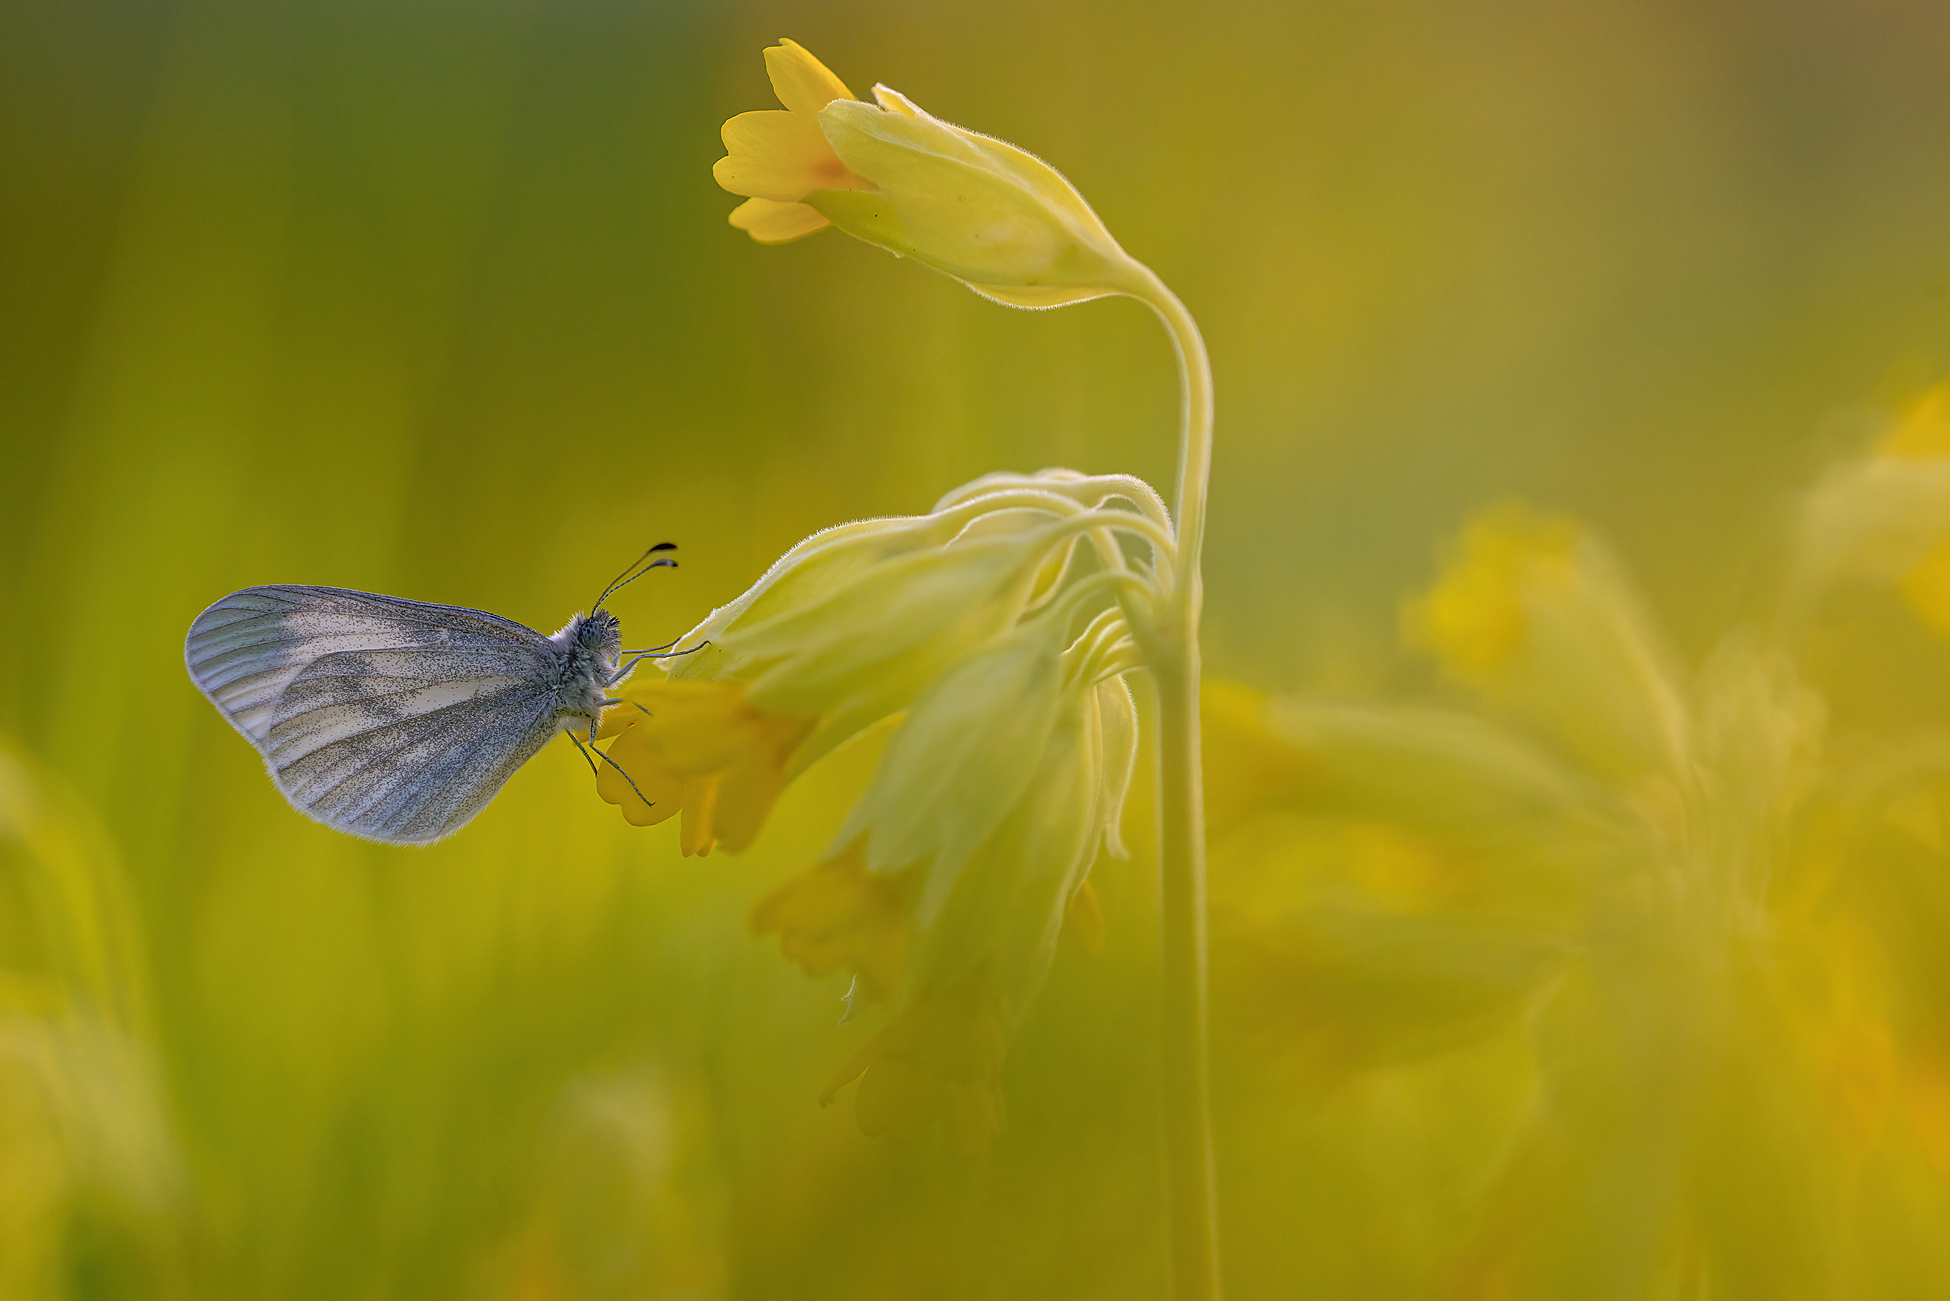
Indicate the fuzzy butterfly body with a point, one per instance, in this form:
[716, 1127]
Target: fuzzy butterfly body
[391, 719]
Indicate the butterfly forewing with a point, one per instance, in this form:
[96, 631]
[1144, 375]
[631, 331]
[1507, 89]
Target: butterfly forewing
[246, 649]
[391, 719]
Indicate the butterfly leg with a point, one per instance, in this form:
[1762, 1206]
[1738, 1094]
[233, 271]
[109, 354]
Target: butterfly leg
[606, 759]
[654, 653]
[652, 650]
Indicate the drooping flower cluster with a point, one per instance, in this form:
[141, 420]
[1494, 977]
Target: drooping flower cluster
[1687, 905]
[998, 626]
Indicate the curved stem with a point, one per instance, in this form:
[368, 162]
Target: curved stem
[1195, 432]
[1174, 659]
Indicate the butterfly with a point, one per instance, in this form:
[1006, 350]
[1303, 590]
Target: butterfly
[399, 720]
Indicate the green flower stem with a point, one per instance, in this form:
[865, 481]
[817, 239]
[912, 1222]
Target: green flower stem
[1174, 660]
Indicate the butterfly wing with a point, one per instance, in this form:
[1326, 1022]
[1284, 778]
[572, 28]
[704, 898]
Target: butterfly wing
[390, 719]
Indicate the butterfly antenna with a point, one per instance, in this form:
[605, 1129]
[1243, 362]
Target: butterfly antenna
[631, 573]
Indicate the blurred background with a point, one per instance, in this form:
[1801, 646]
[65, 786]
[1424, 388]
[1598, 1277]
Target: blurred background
[437, 299]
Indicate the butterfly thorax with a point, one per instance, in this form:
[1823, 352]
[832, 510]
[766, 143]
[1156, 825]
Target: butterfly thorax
[590, 644]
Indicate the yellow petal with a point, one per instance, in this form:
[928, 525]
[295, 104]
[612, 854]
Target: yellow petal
[694, 833]
[1924, 430]
[837, 916]
[746, 795]
[802, 83]
[657, 795]
[771, 222]
[1927, 588]
[1475, 617]
[939, 1060]
[780, 156]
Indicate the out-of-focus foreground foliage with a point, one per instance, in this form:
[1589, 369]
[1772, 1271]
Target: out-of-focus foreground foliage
[1588, 940]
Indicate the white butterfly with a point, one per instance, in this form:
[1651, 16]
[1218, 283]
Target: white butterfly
[399, 720]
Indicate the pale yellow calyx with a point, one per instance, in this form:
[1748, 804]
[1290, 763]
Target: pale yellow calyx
[961, 760]
[993, 216]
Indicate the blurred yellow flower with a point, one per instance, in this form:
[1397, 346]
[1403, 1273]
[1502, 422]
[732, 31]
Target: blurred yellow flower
[1923, 431]
[698, 748]
[1475, 618]
[1000, 220]
[839, 916]
[1689, 959]
[1885, 516]
[938, 1061]
[1923, 434]
[1531, 609]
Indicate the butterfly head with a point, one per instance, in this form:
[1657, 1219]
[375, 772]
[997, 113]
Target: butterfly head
[600, 634]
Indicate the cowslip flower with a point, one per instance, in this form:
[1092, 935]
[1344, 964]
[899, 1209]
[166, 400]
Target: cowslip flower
[998, 627]
[993, 799]
[1719, 995]
[998, 219]
[1885, 516]
[697, 748]
[1532, 610]
[840, 917]
[849, 627]
[1011, 228]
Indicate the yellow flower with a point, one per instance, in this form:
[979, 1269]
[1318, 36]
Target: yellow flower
[779, 157]
[699, 748]
[1924, 435]
[1531, 610]
[840, 916]
[939, 1061]
[1886, 516]
[998, 219]
[1476, 617]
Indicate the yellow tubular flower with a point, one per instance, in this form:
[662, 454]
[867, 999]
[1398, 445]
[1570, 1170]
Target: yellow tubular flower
[779, 158]
[940, 1060]
[838, 917]
[1000, 220]
[848, 627]
[699, 748]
